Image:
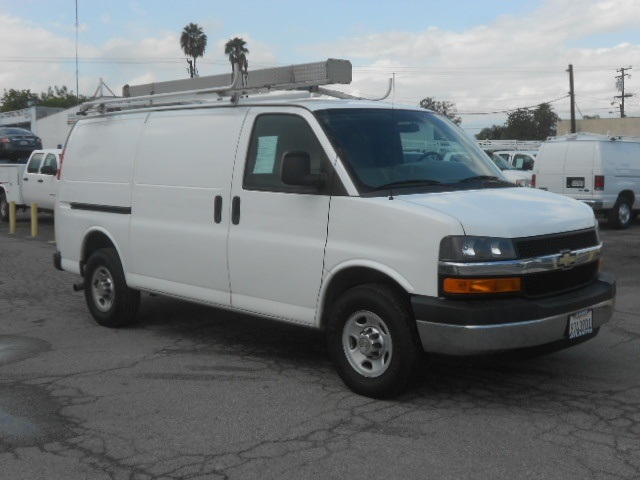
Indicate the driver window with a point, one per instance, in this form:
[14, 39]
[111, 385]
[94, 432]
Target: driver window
[273, 136]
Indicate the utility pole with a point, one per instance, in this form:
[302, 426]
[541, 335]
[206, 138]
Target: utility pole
[77, 84]
[573, 102]
[620, 87]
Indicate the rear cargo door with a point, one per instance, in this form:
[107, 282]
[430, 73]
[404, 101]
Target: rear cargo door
[578, 170]
[549, 167]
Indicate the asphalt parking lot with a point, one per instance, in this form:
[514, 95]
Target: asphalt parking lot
[197, 393]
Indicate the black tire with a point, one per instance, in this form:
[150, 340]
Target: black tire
[620, 216]
[111, 303]
[373, 340]
[4, 207]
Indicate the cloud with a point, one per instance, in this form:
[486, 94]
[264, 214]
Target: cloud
[511, 62]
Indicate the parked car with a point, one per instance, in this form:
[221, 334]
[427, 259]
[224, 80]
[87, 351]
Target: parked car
[16, 143]
[519, 159]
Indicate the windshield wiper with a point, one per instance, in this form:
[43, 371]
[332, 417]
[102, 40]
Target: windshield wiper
[408, 183]
[481, 178]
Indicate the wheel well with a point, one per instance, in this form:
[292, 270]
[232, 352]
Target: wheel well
[94, 241]
[352, 277]
[629, 195]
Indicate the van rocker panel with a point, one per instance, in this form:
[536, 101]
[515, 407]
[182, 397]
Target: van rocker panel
[486, 326]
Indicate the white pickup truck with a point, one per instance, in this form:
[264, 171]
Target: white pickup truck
[36, 181]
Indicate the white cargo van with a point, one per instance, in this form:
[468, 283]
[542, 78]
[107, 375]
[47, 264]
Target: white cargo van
[599, 170]
[335, 214]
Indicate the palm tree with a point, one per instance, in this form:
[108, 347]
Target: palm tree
[237, 50]
[193, 42]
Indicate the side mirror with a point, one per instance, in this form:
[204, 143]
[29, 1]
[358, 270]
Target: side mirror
[296, 170]
[48, 170]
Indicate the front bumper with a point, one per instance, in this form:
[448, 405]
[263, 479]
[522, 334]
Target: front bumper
[486, 326]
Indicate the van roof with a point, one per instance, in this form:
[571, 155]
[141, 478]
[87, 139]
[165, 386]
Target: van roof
[306, 100]
[593, 137]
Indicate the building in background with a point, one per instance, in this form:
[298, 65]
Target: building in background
[624, 127]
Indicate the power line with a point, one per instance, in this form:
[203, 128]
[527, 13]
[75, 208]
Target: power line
[114, 60]
[513, 109]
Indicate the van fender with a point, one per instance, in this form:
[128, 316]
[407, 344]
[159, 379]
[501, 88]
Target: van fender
[367, 272]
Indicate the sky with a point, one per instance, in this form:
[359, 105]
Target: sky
[488, 57]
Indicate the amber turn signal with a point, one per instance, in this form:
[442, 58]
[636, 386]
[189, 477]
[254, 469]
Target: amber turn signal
[482, 285]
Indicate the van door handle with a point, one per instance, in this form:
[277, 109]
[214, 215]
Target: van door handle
[40, 180]
[25, 179]
[235, 210]
[217, 209]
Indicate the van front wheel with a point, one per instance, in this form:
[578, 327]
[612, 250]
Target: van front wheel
[111, 303]
[620, 215]
[373, 341]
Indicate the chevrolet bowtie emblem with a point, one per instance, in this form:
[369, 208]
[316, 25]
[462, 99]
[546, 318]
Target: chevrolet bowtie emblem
[567, 260]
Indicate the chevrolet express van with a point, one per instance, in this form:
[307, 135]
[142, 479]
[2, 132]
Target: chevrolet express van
[599, 170]
[335, 214]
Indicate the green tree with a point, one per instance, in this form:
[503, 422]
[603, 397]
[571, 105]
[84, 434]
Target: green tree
[16, 99]
[236, 49]
[546, 121]
[521, 125]
[494, 132]
[193, 42]
[60, 97]
[57, 97]
[524, 124]
[448, 109]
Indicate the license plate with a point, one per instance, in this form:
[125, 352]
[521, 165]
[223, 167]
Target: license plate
[575, 182]
[580, 323]
[24, 142]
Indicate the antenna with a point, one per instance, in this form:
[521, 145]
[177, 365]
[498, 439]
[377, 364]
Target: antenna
[77, 87]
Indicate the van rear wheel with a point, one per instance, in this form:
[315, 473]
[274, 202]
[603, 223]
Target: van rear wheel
[111, 303]
[620, 215]
[373, 340]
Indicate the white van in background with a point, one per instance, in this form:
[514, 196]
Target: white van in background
[599, 170]
[384, 226]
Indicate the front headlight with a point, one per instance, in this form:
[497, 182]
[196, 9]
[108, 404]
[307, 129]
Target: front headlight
[476, 249]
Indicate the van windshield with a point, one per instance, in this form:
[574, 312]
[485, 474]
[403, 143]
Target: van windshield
[386, 149]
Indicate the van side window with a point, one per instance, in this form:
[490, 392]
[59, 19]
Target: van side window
[34, 163]
[273, 136]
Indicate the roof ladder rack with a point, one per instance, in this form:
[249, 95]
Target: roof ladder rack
[307, 76]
